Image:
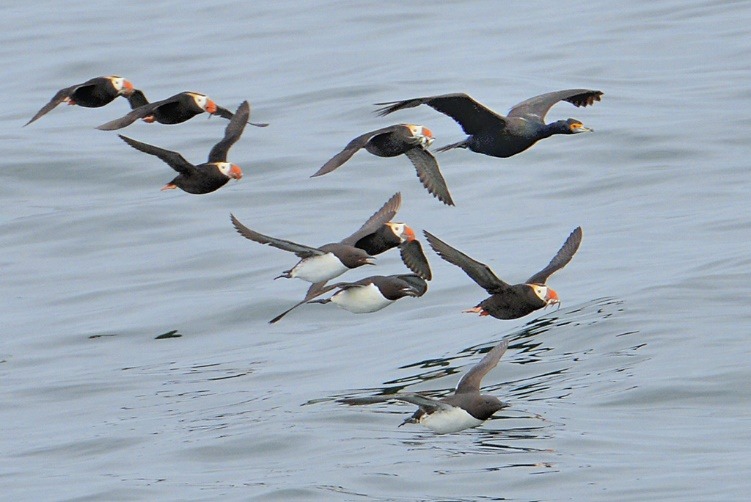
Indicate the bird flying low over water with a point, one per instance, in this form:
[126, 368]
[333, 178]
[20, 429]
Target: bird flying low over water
[408, 139]
[317, 264]
[173, 110]
[366, 295]
[93, 93]
[509, 301]
[464, 409]
[492, 134]
[211, 175]
[377, 235]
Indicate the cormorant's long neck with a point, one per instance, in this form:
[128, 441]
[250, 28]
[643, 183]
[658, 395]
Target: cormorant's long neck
[559, 127]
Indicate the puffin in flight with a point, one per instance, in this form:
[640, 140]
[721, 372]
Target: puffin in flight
[509, 301]
[93, 93]
[211, 175]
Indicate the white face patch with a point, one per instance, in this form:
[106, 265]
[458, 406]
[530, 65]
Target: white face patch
[540, 291]
[224, 168]
[398, 229]
[201, 100]
[421, 133]
[117, 82]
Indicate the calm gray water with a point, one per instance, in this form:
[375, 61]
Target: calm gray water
[636, 389]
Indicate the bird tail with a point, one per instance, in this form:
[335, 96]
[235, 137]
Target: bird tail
[460, 144]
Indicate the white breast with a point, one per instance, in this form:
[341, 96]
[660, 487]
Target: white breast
[454, 420]
[318, 268]
[361, 299]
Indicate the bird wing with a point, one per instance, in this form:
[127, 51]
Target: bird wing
[58, 98]
[352, 148]
[429, 173]
[135, 114]
[232, 133]
[415, 282]
[471, 115]
[561, 258]
[538, 106]
[226, 114]
[478, 272]
[415, 260]
[315, 290]
[471, 380]
[300, 250]
[137, 98]
[385, 214]
[173, 159]
[425, 402]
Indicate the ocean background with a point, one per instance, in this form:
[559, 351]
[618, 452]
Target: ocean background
[136, 361]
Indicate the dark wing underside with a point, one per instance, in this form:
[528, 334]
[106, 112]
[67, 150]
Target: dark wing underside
[415, 260]
[226, 114]
[300, 250]
[58, 98]
[471, 115]
[137, 98]
[415, 282]
[427, 403]
[478, 272]
[538, 106]
[385, 214]
[173, 159]
[232, 133]
[132, 116]
[314, 291]
[471, 380]
[429, 173]
[352, 148]
[561, 258]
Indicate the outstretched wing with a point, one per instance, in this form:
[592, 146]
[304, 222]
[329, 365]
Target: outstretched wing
[385, 214]
[561, 259]
[471, 115]
[352, 148]
[300, 250]
[414, 258]
[478, 272]
[315, 291]
[471, 380]
[226, 114]
[132, 116]
[425, 402]
[137, 98]
[58, 98]
[538, 106]
[415, 282]
[429, 173]
[232, 133]
[173, 159]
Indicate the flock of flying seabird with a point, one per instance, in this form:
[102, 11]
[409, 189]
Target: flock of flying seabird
[487, 132]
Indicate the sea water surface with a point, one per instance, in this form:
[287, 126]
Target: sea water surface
[136, 361]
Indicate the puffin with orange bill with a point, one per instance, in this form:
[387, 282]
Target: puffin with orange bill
[211, 175]
[510, 301]
[408, 139]
[173, 110]
[93, 93]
